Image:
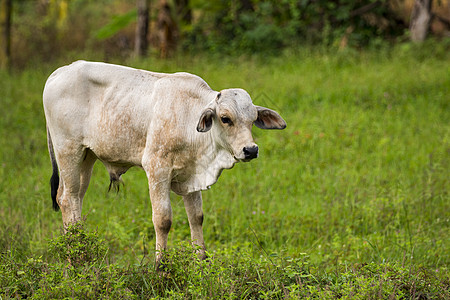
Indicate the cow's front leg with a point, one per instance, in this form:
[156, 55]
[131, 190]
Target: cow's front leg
[194, 210]
[159, 188]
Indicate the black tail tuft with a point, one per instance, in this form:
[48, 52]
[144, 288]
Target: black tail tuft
[54, 184]
[54, 181]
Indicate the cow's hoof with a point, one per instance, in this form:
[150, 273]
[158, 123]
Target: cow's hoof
[161, 267]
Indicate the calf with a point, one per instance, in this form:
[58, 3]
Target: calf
[173, 126]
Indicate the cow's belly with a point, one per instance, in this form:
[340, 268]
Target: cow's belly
[115, 139]
[117, 152]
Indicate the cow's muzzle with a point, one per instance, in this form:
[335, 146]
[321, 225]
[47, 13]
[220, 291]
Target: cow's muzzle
[250, 153]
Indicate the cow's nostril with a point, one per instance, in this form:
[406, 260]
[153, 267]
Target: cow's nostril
[251, 152]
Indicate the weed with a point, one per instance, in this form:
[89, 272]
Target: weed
[78, 247]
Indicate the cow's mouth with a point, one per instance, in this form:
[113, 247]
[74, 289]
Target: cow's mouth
[242, 159]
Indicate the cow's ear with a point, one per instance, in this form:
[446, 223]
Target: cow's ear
[206, 120]
[269, 119]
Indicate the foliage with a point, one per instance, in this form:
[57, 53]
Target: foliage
[358, 181]
[232, 274]
[77, 246]
[269, 26]
[45, 30]
[116, 24]
[84, 277]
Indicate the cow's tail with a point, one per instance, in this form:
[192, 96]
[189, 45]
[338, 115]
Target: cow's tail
[54, 181]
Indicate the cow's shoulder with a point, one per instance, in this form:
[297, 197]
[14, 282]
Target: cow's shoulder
[188, 81]
[180, 89]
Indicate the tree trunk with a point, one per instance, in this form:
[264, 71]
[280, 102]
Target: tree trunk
[141, 42]
[5, 34]
[420, 20]
[167, 31]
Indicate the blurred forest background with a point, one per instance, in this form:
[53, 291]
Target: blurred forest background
[43, 30]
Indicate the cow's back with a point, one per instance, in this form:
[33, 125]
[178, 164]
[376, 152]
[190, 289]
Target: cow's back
[81, 80]
[101, 107]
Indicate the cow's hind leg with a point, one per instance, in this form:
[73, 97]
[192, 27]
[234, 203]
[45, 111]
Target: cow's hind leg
[193, 205]
[70, 164]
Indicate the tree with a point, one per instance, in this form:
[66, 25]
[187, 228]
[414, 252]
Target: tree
[141, 42]
[167, 31]
[5, 34]
[420, 20]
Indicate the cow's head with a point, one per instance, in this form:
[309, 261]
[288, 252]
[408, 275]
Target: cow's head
[230, 118]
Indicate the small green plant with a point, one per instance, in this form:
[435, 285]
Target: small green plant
[78, 246]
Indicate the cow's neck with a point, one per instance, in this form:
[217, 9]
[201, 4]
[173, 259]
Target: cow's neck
[210, 161]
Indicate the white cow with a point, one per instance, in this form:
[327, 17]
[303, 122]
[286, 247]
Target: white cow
[174, 126]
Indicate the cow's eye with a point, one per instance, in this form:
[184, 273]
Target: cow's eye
[226, 120]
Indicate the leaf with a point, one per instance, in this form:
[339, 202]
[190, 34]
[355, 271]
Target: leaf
[117, 23]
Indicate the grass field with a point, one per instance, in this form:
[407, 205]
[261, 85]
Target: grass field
[352, 198]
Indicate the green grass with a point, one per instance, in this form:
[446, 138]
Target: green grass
[358, 183]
